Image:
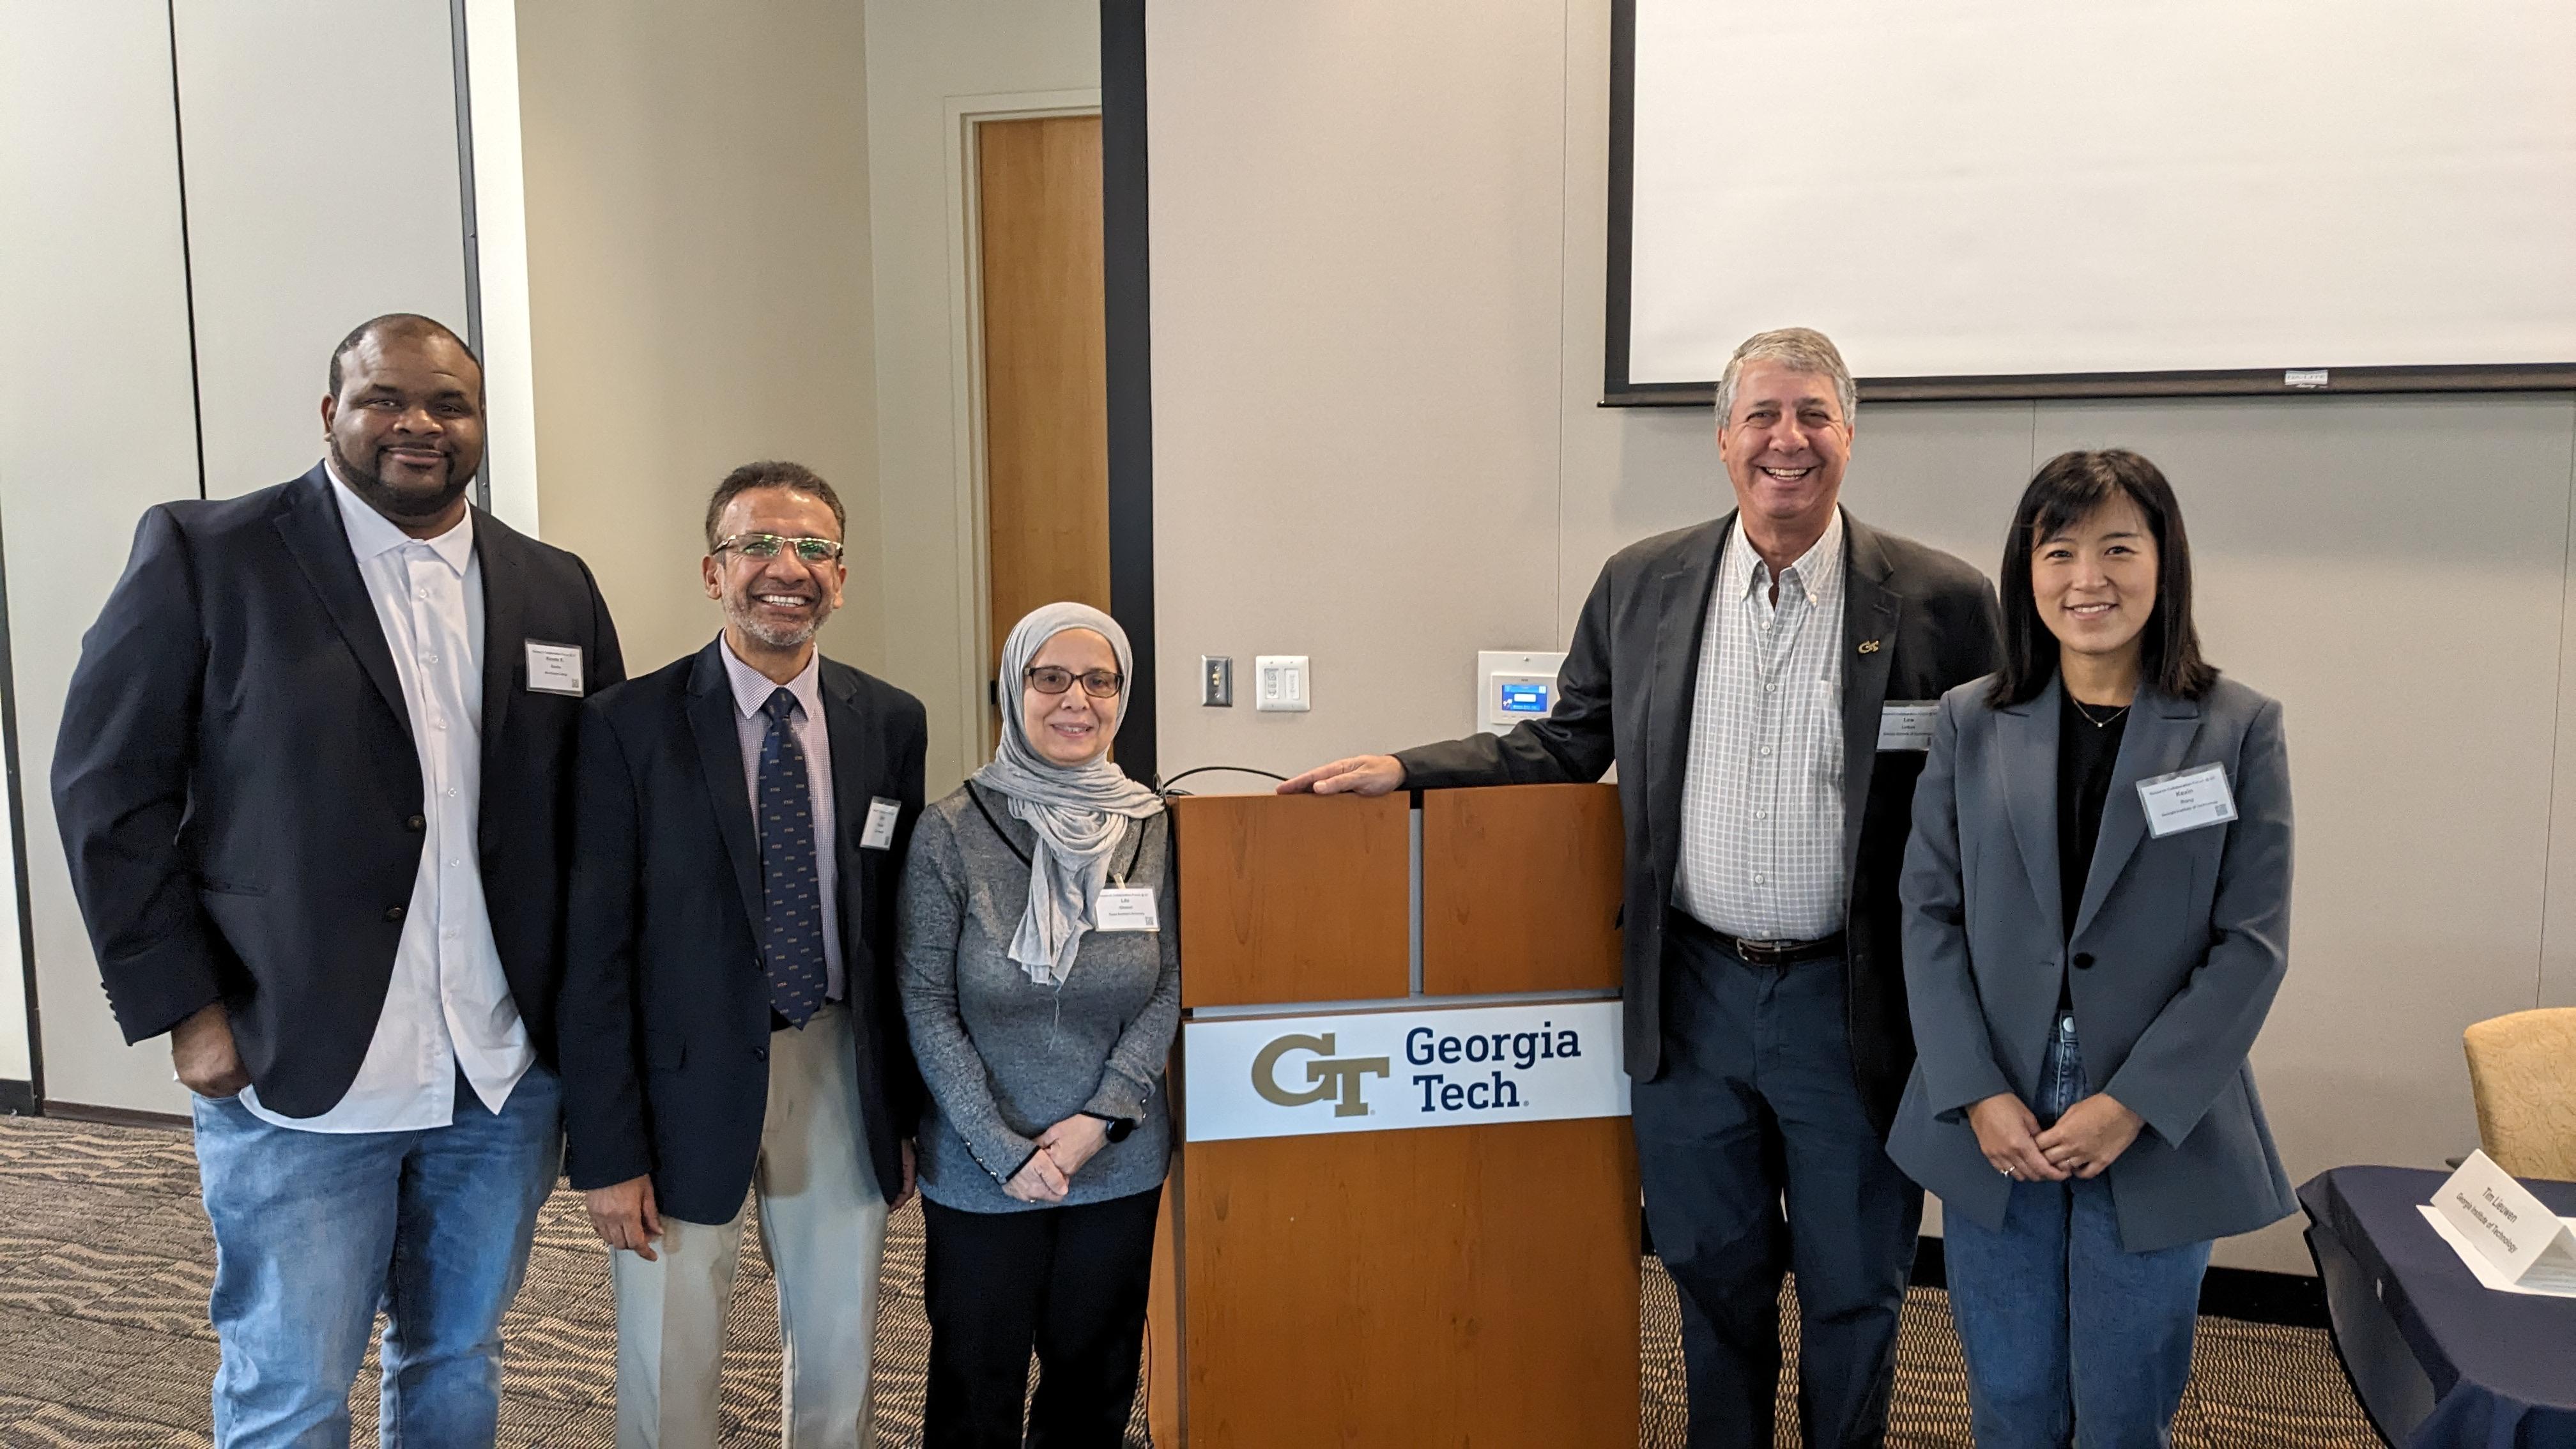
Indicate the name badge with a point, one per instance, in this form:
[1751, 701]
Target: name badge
[2187, 800]
[554, 668]
[1908, 725]
[878, 834]
[1126, 908]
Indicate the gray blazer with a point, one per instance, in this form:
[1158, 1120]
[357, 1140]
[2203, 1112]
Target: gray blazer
[2178, 947]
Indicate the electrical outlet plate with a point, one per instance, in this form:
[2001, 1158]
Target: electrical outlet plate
[1216, 680]
[1282, 682]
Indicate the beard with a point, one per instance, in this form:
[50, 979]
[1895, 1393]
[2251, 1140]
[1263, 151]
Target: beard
[395, 502]
[745, 615]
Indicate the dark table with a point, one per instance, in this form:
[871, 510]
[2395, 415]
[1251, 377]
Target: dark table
[2438, 1359]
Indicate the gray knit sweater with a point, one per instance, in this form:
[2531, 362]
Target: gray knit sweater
[1006, 1058]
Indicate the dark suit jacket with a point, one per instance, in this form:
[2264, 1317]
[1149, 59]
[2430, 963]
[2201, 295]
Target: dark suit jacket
[240, 796]
[665, 1006]
[2178, 947]
[1915, 622]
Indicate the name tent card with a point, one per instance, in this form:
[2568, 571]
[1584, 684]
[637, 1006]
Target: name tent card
[2507, 1237]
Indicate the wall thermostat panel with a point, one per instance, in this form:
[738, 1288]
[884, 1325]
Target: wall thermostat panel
[1512, 686]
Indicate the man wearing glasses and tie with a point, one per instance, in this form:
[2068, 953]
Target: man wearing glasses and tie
[729, 1018]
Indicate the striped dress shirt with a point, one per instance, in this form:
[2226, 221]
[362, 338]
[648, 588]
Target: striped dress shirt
[1762, 789]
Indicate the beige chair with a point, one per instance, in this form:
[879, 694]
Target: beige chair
[2522, 1070]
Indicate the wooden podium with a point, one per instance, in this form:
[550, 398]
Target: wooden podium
[1329, 1271]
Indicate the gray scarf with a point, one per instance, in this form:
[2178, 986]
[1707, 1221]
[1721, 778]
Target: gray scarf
[1078, 811]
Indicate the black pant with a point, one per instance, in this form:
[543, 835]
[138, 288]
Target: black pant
[1756, 1102]
[1068, 1281]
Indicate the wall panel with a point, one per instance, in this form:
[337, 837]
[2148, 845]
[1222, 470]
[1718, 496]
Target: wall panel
[2558, 936]
[323, 189]
[1356, 336]
[697, 251]
[97, 423]
[928, 63]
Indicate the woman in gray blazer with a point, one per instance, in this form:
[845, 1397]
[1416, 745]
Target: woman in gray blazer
[2097, 911]
[1041, 980]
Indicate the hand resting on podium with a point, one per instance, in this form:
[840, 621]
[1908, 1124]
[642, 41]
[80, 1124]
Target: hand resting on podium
[1358, 775]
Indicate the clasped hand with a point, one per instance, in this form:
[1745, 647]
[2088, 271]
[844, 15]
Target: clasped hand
[1062, 1150]
[2086, 1140]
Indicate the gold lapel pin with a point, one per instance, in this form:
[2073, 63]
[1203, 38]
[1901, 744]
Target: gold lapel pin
[1869, 646]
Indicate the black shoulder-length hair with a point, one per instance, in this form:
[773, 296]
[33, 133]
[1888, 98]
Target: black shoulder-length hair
[2065, 491]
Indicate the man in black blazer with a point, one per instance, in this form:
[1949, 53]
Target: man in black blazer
[729, 1014]
[1764, 684]
[314, 782]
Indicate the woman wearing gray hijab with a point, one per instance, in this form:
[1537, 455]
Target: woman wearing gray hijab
[1041, 979]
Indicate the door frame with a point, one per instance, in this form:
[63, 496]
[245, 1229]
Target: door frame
[970, 473]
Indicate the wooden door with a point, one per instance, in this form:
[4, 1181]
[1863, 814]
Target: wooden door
[1045, 368]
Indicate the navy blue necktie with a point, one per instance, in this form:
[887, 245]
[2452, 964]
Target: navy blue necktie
[791, 935]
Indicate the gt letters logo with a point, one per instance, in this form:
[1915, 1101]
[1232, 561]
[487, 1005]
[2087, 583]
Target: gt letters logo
[1328, 1076]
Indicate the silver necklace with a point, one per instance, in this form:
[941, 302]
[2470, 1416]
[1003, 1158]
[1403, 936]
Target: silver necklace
[2099, 724]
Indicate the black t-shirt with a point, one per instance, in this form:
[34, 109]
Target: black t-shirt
[2086, 751]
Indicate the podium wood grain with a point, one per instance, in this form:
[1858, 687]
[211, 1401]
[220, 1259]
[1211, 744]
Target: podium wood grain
[1468, 1287]
[1520, 889]
[1446, 1288]
[1290, 898]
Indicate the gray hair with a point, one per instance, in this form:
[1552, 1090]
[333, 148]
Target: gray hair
[1799, 349]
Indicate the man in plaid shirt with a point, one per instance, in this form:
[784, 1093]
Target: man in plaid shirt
[1755, 679]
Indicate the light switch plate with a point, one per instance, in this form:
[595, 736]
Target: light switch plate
[1281, 682]
[1216, 680]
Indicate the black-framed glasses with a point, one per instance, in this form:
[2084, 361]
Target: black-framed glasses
[1054, 679]
[769, 545]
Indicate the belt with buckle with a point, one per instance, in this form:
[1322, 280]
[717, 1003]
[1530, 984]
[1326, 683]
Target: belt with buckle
[1763, 953]
[1781, 953]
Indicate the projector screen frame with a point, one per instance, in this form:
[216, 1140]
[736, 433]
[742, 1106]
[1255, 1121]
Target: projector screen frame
[1618, 391]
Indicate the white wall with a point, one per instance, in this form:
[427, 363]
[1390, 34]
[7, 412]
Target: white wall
[1378, 240]
[927, 62]
[696, 194]
[1358, 219]
[303, 218]
[97, 423]
[306, 217]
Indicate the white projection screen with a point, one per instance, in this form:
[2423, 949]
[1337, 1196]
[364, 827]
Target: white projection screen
[2019, 198]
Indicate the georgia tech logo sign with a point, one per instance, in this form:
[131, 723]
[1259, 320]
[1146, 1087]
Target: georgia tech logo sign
[1383, 1071]
[1330, 1077]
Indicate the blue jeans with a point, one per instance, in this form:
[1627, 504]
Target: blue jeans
[1758, 1156]
[315, 1230]
[2069, 1339]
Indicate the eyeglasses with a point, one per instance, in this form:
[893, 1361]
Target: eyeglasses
[767, 546]
[1051, 679]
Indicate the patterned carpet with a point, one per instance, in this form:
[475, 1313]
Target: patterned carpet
[105, 1262]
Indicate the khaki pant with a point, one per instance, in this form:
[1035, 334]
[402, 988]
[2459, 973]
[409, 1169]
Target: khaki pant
[822, 1220]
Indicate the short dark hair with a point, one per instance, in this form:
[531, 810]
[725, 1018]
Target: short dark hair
[401, 324]
[771, 473]
[2066, 490]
